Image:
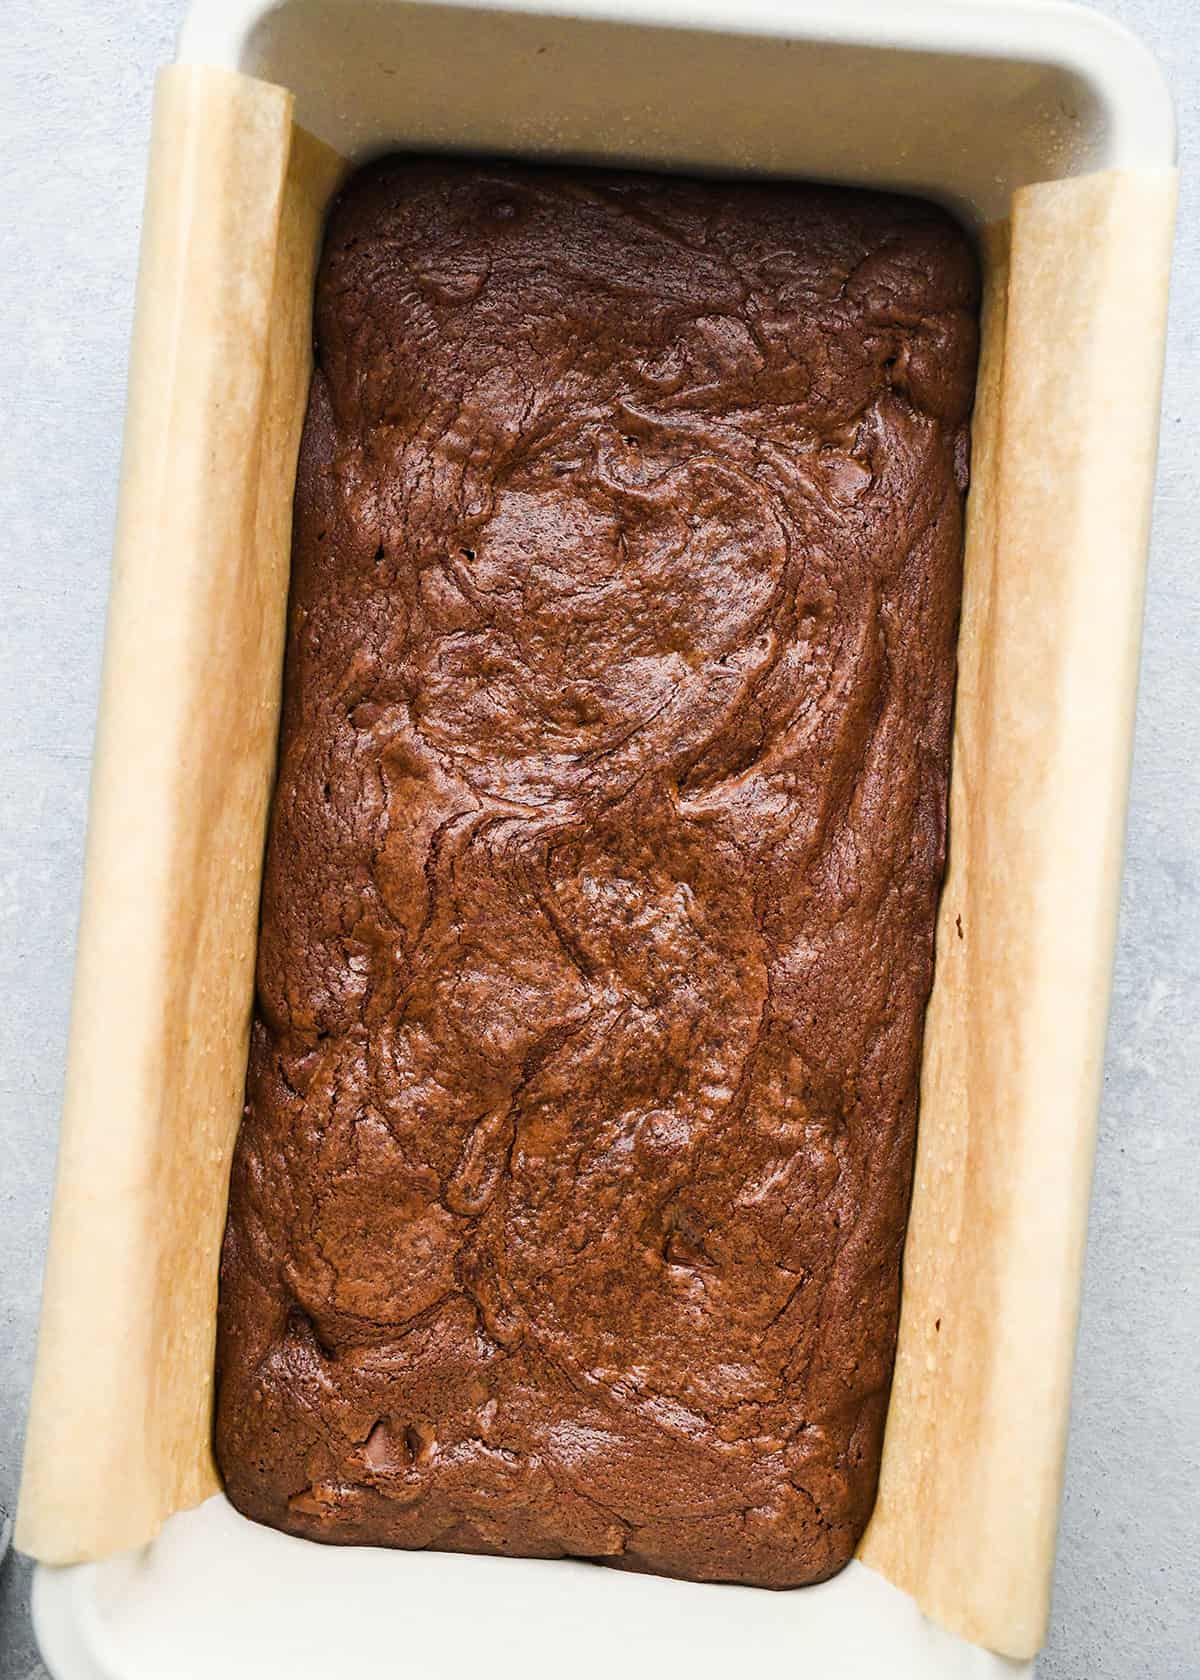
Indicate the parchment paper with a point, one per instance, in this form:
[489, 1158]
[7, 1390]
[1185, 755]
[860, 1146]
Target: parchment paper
[1064, 447]
[119, 1421]
[1057, 525]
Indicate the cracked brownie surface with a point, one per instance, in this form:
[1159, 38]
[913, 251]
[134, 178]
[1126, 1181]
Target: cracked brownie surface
[597, 924]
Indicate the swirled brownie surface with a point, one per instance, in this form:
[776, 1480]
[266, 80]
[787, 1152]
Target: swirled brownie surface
[597, 926]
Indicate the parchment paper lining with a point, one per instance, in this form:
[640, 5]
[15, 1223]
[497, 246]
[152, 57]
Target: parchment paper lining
[119, 1433]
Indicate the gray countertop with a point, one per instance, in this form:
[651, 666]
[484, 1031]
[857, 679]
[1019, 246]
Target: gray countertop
[73, 136]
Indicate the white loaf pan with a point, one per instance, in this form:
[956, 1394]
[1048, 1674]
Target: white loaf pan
[962, 101]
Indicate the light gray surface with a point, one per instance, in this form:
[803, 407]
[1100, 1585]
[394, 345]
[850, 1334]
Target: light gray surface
[74, 121]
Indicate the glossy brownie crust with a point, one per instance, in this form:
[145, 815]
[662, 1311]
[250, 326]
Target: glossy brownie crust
[597, 928]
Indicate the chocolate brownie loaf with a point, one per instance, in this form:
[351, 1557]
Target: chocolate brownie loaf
[597, 927]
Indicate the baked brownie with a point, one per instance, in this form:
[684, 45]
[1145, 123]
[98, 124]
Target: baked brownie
[597, 927]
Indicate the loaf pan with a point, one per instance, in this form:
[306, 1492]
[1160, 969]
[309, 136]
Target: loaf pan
[1050, 133]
